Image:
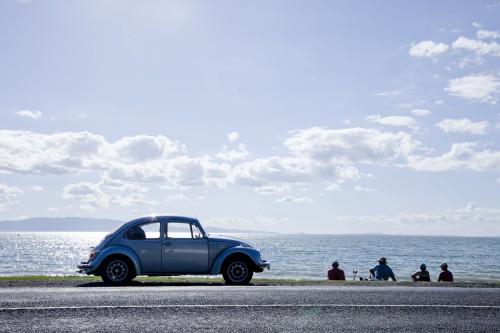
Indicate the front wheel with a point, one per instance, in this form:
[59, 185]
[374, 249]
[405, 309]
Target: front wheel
[117, 271]
[237, 271]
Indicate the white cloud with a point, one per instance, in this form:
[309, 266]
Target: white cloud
[117, 185]
[233, 155]
[29, 114]
[60, 153]
[273, 189]
[244, 223]
[36, 188]
[178, 172]
[320, 155]
[352, 145]
[82, 190]
[420, 112]
[388, 93]
[393, 120]
[142, 148]
[428, 49]
[363, 189]
[334, 187]
[233, 136]
[264, 171]
[93, 196]
[8, 195]
[174, 173]
[461, 156]
[463, 126]
[477, 46]
[314, 156]
[75, 152]
[177, 197]
[347, 173]
[465, 222]
[292, 199]
[471, 207]
[486, 34]
[474, 87]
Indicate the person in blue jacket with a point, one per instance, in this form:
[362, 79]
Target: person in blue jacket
[382, 271]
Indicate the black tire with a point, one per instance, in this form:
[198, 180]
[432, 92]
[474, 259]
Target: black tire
[237, 271]
[117, 271]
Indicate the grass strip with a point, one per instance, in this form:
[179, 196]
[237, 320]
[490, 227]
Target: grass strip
[214, 279]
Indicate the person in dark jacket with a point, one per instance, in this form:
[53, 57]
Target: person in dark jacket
[445, 275]
[422, 274]
[336, 273]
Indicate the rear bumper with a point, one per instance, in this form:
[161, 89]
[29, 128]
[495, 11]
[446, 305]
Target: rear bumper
[85, 268]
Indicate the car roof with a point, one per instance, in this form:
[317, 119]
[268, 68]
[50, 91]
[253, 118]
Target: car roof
[163, 217]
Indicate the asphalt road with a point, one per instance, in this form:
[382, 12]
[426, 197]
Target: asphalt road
[274, 308]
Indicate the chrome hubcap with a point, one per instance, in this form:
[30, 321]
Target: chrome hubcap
[117, 270]
[237, 271]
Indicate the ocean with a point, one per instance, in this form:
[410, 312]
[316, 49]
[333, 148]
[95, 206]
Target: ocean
[298, 256]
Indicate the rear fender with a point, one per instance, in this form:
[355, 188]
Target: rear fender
[117, 250]
[250, 253]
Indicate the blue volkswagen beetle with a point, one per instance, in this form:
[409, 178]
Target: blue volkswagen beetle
[168, 246]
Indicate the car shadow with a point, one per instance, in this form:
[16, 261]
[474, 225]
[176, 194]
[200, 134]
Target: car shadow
[157, 284]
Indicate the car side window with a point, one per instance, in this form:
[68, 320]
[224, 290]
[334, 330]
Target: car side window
[144, 231]
[182, 230]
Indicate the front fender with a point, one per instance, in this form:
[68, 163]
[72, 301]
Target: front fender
[93, 266]
[253, 254]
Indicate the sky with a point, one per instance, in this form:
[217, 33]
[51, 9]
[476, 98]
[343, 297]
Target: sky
[284, 116]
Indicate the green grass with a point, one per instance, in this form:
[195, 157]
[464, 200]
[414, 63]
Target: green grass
[47, 277]
[205, 279]
[156, 278]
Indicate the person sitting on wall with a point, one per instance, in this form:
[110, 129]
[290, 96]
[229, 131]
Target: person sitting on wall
[422, 274]
[382, 271]
[445, 275]
[336, 273]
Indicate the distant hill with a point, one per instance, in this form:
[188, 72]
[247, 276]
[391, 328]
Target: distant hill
[215, 230]
[60, 224]
[75, 224]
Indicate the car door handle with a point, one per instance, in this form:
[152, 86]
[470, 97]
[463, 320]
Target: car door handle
[167, 243]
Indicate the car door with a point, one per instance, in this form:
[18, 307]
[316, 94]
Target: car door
[145, 240]
[185, 250]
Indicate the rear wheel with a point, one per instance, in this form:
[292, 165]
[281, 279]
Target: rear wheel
[117, 271]
[237, 271]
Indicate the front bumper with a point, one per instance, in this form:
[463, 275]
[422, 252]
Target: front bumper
[263, 265]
